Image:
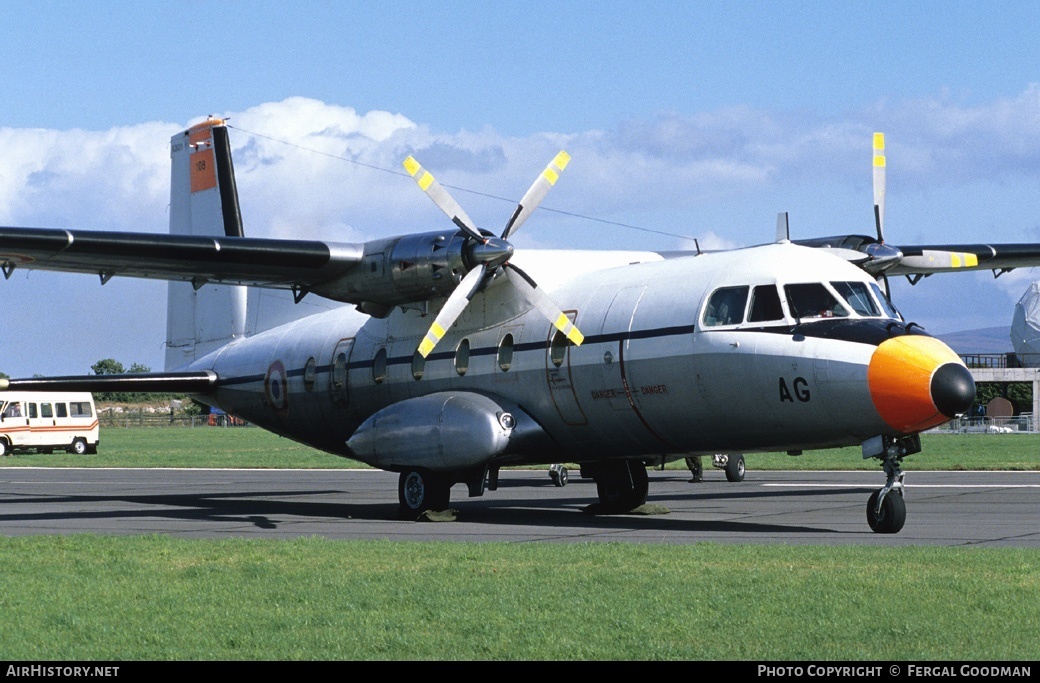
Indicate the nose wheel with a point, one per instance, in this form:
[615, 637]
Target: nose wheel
[886, 515]
[886, 508]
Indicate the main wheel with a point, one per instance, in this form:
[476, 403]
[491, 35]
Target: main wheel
[622, 486]
[79, 446]
[892, 515]
[420, 490]
[735, 468]
[561, 477]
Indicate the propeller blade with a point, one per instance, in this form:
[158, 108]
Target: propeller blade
[452, 309]
[540, 300]
[444, 201]
[537, 193]
[879, 185]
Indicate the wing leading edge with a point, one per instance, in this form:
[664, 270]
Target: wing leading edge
[283, 264]
[917, 261]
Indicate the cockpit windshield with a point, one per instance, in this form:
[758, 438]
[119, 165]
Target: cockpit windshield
[813, 300]
[886, 303]
[762, 304]
[857, 294]
[726, 307]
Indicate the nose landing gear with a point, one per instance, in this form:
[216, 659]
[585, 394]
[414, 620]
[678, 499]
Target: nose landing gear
[886, 509]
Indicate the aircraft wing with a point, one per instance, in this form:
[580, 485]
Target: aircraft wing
[202, 382]
[879, 258]
[283, 264]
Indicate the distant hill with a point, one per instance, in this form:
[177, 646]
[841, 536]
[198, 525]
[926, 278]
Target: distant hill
[985, 340]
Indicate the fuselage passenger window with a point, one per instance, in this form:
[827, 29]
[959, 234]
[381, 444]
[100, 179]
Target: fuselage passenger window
[765, 305]
[812, 300]
[726, 307]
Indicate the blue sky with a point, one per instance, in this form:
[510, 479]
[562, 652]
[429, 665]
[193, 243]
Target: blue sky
[701, 119]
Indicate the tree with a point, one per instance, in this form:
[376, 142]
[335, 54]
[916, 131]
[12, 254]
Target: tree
[107, 366]
[110, 366]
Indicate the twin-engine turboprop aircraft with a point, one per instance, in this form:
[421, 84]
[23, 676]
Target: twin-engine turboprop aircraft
[613, 360]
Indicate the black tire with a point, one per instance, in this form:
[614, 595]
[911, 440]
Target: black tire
[893, 512]
[622, 486]
[561, 480]
[735, 468]
[420, 490]
[79, 447]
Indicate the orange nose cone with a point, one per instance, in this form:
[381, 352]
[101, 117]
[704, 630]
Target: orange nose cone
[917, 382]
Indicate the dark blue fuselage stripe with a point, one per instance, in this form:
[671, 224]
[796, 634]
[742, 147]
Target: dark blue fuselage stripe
[869, 331]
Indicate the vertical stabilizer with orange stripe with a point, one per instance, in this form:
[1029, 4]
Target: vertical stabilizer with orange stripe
[203, 201]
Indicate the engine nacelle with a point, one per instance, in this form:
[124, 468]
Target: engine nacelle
[448, 430]
[402, 270]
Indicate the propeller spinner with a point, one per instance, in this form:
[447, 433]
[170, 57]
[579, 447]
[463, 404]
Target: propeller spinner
[487, 254]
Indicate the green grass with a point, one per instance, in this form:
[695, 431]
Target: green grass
[252, 447]
[157, 598]
[91, 598]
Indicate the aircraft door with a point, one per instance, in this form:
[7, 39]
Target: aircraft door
[617, 324]
[338, 373]
[558, 375]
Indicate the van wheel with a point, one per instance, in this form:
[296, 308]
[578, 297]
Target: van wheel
[79, 446]
[3, 448]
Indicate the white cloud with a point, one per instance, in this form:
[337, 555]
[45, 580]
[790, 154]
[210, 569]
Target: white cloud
[324, 171]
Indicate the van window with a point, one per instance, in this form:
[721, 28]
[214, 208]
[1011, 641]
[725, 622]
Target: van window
[46, 410]
[726, 307]
[32, 410]
[13, 409]
[61, 410]
[80, 409]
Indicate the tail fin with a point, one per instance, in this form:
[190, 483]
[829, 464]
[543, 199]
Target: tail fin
[203, 201]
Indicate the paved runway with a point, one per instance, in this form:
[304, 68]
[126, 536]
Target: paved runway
[943, 508]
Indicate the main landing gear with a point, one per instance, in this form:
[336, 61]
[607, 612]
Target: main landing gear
[733, 464]
[420, 490]
[622, 485]
[558, 474]
[886, 509]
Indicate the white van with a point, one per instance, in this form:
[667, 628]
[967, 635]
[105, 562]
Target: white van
[43, 421]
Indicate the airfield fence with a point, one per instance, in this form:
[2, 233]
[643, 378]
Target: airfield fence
[989, 425]
[1001, 361]
[146, 418]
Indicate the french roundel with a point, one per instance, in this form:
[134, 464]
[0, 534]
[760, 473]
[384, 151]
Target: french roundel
[276, 387]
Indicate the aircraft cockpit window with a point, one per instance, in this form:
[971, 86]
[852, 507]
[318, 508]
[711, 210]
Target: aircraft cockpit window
[726, 307]
[765, 305]
[890, 309]
[857, 294]
[813, 300]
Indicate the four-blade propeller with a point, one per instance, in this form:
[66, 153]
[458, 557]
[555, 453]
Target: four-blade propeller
[487, 255]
